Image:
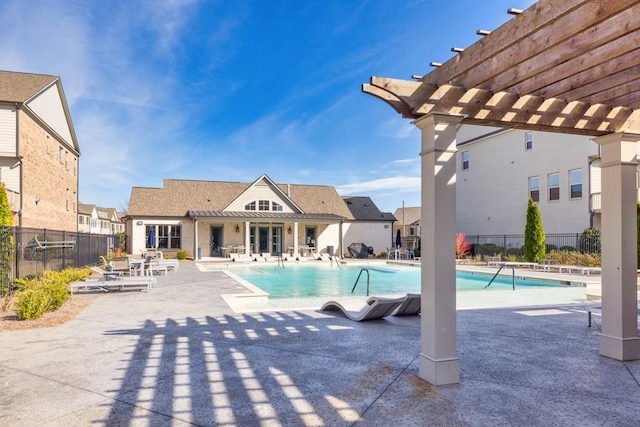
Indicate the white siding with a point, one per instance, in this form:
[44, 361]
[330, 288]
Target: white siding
[260, 191]
[370, 233]
[7, 131]
[492, 194]
[48, 106]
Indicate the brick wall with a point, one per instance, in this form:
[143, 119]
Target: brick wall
[53, 182]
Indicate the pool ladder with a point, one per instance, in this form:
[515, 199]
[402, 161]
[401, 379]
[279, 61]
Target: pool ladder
[360, 274]
[280, 260]
[513, 276]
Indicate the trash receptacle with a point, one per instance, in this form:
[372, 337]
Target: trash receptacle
[330, 250]
[199, 253]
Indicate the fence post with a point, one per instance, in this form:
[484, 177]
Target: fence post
[64, 249]
[504, 245]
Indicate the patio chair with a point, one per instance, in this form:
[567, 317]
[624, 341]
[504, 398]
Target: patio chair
[412, 305]
[376, 308]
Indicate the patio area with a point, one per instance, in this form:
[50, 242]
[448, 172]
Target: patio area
[179, 355]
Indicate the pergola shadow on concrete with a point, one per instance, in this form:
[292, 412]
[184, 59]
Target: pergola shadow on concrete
[570, 66]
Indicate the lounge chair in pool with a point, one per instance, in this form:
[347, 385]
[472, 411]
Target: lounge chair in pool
[376, 308]
[411, 305]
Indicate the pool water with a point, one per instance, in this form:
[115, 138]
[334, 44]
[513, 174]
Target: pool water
[324, 280]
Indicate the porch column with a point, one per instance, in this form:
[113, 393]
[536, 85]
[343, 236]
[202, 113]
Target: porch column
[619, 338]
[295, 239]
[247, 238]
[439, 363]
[195, 239]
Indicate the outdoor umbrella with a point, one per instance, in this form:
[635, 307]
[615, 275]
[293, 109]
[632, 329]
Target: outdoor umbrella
[151, 239]
[398, 239]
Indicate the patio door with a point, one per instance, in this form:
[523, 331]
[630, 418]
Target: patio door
[216, 241]
[263, 239]
[276, 240]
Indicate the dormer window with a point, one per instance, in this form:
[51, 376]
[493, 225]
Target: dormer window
[276, 207]
[250, 206]
[263, 205]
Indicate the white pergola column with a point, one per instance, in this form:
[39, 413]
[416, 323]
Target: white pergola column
[439, 363]
[295, 239]
[247, 238]
[619, 338]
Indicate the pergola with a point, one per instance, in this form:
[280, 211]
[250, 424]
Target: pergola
[570, 66]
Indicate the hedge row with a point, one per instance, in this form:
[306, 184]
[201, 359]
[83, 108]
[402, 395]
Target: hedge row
[46, 292]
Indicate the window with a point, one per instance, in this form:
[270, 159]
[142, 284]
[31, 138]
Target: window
[534, 188]
[60, 154]
[250, 206]
[263, 205]
[528, 141]
[80, 219]
[412, 231]
[553, 182]
[465, 160]
[166, 236]
[66, 199]
[575, 184]
[276, 207]
[66, 165]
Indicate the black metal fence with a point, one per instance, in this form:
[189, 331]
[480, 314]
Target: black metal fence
[30, 251]
[513, 244]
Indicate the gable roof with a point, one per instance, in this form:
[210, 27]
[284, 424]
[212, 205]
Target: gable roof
[84, 209]
[409, 216]
[177, 197]
[32, 92]
[363, 209]
[20, 87]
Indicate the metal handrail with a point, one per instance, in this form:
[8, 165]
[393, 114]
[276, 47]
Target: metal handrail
[513, 276]
[360, 274]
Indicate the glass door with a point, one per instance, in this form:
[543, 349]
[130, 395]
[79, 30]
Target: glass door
[263, 239]
[276, 240]
[216, 241]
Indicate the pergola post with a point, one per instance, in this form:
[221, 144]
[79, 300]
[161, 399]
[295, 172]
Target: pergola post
[619, 338]
[247, 238]
[439, 363]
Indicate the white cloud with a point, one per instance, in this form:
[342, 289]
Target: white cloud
[396, 183]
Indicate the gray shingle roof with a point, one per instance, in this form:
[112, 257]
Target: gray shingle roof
[409, 215]
[363, 209]
[177, 197]
[20, 87]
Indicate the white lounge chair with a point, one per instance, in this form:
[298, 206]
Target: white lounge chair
[376, 308]
[412, 305]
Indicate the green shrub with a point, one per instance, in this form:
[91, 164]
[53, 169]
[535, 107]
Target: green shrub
[181, 255]
[575, 258]
[31, 304]
[46, 292]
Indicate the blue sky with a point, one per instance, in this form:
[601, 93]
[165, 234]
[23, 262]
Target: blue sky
[231, 89]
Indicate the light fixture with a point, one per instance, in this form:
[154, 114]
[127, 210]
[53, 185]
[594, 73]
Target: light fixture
[37, 200]
[139, 223]
[289, 230]
[237, 228]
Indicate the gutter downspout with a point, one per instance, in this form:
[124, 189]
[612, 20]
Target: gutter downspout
[21, 165]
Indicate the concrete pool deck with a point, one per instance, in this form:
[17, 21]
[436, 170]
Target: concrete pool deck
[180, 355]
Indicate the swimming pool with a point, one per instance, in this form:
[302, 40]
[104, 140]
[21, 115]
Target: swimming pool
[324, 280]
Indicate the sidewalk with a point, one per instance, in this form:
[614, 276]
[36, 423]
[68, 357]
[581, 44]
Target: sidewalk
[180, 356]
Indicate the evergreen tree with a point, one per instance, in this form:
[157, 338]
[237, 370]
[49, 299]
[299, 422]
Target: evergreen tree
[6, 241]
[5, 211]
[534, 240]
